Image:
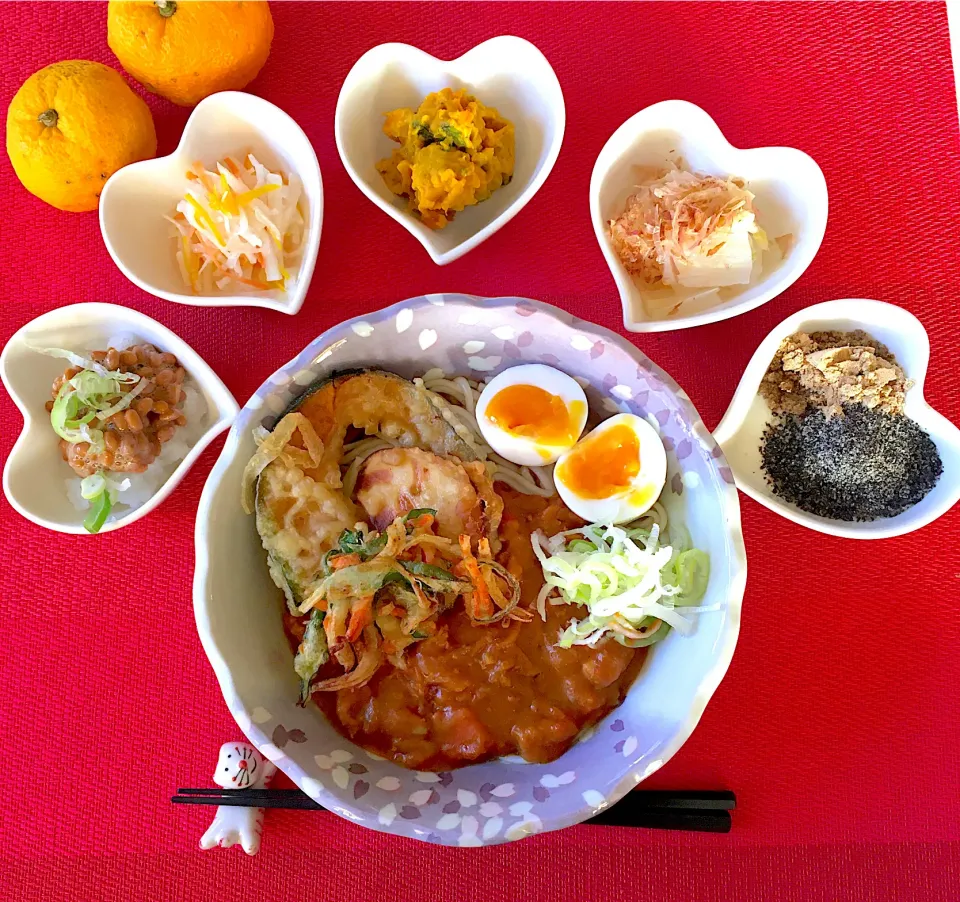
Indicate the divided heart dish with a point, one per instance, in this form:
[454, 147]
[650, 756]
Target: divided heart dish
[505, 72]
[35, 473]
[137, 198]
[790, 190]
[739, 432]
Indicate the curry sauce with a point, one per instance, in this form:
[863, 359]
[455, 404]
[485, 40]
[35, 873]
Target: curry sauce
[473, 692]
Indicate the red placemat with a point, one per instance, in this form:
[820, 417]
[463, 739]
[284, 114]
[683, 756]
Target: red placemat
[837, 722]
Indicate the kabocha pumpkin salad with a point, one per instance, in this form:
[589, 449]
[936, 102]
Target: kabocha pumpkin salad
[454, 152]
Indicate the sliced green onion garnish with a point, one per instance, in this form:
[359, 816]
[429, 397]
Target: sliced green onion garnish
[91, 486]
[88, 396]
[691, 573]
[123, 403]
[99, 512]
[629, 579]
[419, 568]
[581, 545]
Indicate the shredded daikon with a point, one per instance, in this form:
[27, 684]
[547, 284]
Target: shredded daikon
[239, 227]
[632, 585]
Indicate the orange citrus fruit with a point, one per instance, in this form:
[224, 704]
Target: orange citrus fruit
[187, 49]
[70, 127]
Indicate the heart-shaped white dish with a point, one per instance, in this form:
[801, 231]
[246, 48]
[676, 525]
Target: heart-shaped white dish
[34, 474]
[505, 72]
[791, 199]
[742, 426]
[136, 198]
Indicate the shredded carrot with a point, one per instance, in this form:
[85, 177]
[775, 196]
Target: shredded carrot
[262, 286]
[212, 252]
[344, 560]
[482, 603]
[497, 594]
[329, 630]
[361, 616]
[231, 164]
[483, 549]
[424, 521]
[202, 176]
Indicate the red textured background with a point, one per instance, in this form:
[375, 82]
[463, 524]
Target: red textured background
[837, 724]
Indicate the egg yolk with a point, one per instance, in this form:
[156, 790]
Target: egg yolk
[604, 465]
[531, 411]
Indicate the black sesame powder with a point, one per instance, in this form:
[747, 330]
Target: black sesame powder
[861, 465]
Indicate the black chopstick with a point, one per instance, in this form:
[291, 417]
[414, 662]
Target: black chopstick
[697, 810]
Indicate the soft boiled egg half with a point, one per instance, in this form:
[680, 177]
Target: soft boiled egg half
[531, 414]
[614, 473]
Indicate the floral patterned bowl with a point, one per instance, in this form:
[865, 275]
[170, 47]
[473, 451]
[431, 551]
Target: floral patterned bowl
[238, 608]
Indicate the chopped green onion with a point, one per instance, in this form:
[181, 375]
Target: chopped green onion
[691, 572]
[632, 581]
[78, 360]
[581, 545]
[88, 396]
[64, 409]
[125, 400]
[99, 511]
[419, 568]
[91, 486]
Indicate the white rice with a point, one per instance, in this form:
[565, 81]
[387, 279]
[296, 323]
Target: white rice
[143, 486]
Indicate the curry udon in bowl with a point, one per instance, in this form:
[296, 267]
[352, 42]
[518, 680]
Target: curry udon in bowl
[467, 570]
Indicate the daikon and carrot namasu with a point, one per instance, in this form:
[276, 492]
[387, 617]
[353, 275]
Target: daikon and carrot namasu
[239, 227]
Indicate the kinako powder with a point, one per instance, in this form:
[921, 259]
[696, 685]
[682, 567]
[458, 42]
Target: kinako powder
[825, 370]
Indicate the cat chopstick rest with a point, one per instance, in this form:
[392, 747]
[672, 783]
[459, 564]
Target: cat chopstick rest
[240, 766]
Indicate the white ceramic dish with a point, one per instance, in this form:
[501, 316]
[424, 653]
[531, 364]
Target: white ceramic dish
[742, 426]
[34, 474]
[238, 609]
[790, 189]
[505, 72]
[136, 198]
